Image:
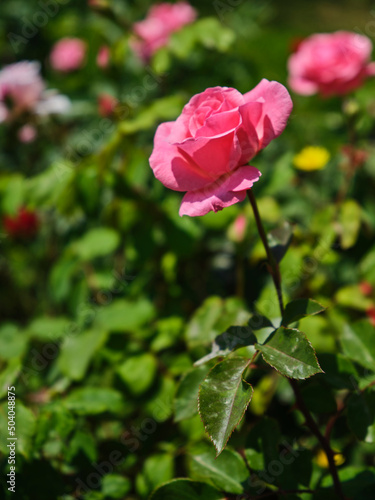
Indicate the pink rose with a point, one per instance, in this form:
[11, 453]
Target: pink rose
[237, 230]
[27, 133]
[206, 150]
[330, 64]
[102, 59]
[22, 86]
[23, 90]
[162, 20]
[68, 54]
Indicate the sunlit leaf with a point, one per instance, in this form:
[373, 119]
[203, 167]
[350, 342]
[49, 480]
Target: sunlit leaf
[94, 400]
[350, 219]
[358, 343]
[77, 352]
[224, 344]
[223, 399]
[225, 472]
[290, 353]
[300, 308]
[186, 401]
[279, 240]
[185, 489]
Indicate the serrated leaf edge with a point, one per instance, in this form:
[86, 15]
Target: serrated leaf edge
[310, 344]
[183, 378]
[305, 315]
[218, 450]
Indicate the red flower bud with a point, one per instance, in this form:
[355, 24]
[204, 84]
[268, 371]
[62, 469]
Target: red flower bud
[23, 225]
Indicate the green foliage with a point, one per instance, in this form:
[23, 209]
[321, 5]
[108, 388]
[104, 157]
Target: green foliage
[226, 472]
[186, 490]
[223, 398]
[138, 372]
[117, 314]
[94, 400]
[211, 318]
[300, 308]
[115, 486]
[76, 353]
[96, 243]
[186, 402]
[279, 240]
[233, 338]
[357, 343]
[290, 353]
[361, 415]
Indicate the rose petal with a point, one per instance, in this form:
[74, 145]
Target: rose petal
[277, 106]
[251, 113]
[302, 86]
[219, 124]
[172, 167]
[214, 155]
[226, 191]
[220, 99]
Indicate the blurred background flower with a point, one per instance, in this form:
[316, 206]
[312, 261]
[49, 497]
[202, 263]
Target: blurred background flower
[162, 20]
[23, 225]
[68, 54]
[108, 297]
[311, 158]
[330, 63]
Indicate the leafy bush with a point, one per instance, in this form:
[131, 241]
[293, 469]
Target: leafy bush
[118, 315]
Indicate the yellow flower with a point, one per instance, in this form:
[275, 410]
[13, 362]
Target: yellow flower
[311, 158]
[322, 461]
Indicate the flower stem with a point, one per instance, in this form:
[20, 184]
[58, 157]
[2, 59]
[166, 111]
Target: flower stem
[274, 270]
[273, 266]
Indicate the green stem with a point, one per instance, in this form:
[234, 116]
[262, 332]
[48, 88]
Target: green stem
[309, 420]
[273, 266]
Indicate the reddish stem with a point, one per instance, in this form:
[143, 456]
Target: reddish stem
[310, 422]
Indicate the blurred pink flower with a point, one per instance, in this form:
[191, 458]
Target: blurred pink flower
[21, 87]
[102, 59]
[330, 64]
[23, 90]
[237, 230]
[68, 54]
[206, 151]
[162, 20]
[27, 133]
[106, 104]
